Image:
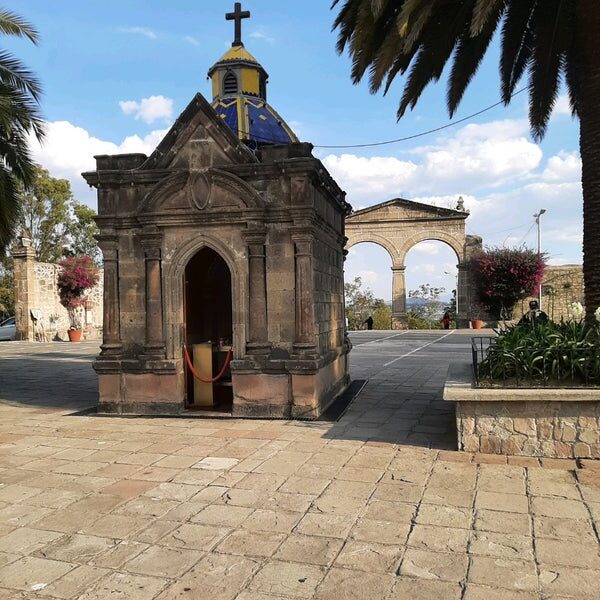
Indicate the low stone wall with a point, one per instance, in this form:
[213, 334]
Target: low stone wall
[552, 423]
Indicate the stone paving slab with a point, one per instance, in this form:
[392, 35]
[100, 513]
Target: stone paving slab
[367, 507]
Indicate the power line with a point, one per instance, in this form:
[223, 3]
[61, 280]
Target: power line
[394, 141]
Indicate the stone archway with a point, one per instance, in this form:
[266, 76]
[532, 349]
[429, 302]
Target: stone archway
[397, 226]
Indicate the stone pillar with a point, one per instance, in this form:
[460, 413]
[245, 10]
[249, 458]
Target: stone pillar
[154, 347]
[305, 341]
[111, 328]
[258, 341]
[463, 296]
[399, 314]
[24, 282]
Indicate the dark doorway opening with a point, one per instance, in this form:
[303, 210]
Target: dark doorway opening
[208, 330]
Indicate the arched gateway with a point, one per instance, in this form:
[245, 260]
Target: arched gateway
[227, 240]
[397, 226]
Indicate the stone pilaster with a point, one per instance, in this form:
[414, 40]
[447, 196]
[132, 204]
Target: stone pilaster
[154, 347]
[111, 330]
[305, 337]
[24, 282]
[399, 314]
[258, 342]
[463, 296]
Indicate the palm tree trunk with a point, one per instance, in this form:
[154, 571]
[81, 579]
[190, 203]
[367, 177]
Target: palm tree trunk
[589, 141]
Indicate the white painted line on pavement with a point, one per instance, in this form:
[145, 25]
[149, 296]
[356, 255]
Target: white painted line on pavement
[389, 337]
[417, 349]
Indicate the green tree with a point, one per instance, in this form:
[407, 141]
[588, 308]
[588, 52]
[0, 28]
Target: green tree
[20, 94]
[427, 311]
[549, 40]
[82, 230]
[361, 304]
[7, 290]
[45, 217]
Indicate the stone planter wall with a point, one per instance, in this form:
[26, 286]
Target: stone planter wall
[553, 423]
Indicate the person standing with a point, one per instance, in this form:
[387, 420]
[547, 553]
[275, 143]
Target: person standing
[369, 323]
[446, 320]
[534, 316]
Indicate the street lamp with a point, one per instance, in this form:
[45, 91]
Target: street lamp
[539, 244]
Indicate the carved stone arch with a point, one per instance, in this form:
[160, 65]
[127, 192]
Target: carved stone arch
[174, 269]
[163, 189]
[437, 235]
[199, 185]
[374, 238]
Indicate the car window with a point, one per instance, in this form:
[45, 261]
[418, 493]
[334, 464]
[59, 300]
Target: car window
[8, 322]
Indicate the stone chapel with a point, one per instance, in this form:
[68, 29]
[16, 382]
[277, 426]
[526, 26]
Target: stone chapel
[223, 262]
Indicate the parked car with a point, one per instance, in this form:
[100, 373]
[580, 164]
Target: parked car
[8, 329]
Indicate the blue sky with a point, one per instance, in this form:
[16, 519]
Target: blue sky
[116, 75]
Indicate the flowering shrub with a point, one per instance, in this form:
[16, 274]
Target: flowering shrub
[79, 274]
[504, 276]
[576, 311]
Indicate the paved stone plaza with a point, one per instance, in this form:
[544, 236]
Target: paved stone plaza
[376, 505]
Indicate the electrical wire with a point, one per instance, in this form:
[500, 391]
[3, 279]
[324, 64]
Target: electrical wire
[397, 140]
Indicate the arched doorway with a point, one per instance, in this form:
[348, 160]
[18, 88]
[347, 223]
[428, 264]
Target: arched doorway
[208, 329]
[368, 286]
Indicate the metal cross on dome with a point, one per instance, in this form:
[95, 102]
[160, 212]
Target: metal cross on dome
[237, 15]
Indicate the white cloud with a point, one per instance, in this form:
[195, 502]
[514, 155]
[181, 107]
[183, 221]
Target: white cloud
[69, 150]
[427, 248]
[190, 39]
[151, 35]
[565, 166]
[476, 157]
[149, 109]
[368, 277]
[562, 106]
[262, 34]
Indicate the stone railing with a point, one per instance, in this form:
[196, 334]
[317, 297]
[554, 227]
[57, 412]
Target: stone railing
[547, 422]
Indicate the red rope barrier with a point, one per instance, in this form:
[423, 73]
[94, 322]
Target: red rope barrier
[188, 361]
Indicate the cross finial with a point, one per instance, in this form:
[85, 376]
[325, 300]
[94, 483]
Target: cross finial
[237, 15]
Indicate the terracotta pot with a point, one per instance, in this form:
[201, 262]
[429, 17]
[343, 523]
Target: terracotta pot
[476, 323]
[75, 335]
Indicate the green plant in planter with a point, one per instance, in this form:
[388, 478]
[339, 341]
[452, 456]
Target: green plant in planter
[549, 354]
[79, 274]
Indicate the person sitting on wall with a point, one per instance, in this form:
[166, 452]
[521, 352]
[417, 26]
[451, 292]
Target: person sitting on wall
[369, 323]
[534, 316]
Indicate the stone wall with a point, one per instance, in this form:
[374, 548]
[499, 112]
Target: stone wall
[36, 290]
[561, 286]
[545, 422]
[549, 429]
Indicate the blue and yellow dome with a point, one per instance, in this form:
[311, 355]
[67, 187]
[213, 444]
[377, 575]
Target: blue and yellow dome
[239, 86]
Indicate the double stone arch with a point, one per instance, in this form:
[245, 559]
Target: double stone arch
[400, 224]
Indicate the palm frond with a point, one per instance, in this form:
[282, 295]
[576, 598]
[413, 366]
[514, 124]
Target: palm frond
[516, 45]
[11, 205]
[483, 10]
[13, 24]
[470, 52]
[15, 74]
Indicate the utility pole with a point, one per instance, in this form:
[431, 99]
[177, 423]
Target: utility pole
[539, 246]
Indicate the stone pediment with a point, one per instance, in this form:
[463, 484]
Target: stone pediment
[400, 209]
[198, 139]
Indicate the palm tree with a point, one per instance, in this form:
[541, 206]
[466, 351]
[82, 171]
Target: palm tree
[20, 94]
[549, 40]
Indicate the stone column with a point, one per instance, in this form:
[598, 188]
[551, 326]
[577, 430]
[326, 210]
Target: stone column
[258, 340]
[24, 285]
[111, 328]
[305, 341]
[399, 315]
[463, 297]
[154, 347]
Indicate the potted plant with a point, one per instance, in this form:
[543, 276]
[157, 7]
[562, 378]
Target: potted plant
[79, 274]
[475, 311]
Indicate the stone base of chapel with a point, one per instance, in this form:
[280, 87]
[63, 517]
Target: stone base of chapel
[263, 395]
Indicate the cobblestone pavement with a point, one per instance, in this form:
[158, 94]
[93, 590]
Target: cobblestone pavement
[374, 506]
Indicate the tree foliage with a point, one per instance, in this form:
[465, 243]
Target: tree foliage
[361, 304]
[503, 276]
[427, 311]
[20, 116]
[56, 223]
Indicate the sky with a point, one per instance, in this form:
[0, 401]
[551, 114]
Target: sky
[116, 74]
